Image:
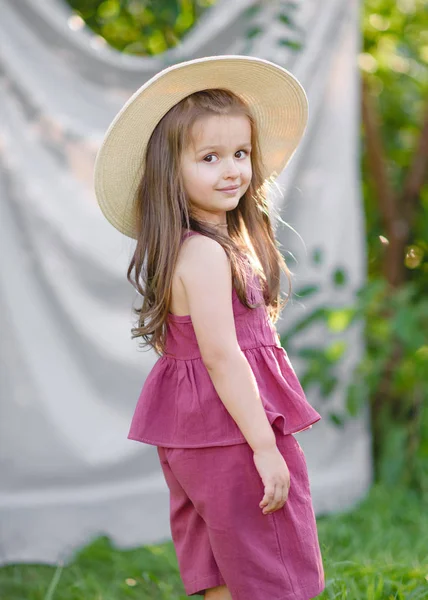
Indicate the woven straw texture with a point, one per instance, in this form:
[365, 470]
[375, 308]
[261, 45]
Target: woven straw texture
[276, 99]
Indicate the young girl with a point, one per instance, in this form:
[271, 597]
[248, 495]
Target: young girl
[184, 169]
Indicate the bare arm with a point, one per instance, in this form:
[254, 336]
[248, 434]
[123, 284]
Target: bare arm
[236, 385]
[207, 282]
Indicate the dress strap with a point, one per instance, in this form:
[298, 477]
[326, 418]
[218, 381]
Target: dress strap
[188, 233]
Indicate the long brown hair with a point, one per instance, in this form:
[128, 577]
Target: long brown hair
[162, 215]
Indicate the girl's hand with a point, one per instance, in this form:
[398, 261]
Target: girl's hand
[275, 475]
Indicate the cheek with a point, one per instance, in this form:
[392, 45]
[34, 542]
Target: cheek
[185, 176]
[247, 172]
[191, 178]
[197, 178]
[205, 176]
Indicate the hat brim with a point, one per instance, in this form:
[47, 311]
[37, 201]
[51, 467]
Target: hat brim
[275, 97]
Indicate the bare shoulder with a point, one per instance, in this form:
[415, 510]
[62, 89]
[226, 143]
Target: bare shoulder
[205, 274]
[200, 252]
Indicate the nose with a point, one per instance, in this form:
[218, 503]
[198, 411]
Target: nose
[231, 170]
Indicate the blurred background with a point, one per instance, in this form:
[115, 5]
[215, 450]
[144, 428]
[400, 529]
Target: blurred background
[84, 512]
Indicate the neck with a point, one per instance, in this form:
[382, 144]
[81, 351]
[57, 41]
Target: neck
[213, 224]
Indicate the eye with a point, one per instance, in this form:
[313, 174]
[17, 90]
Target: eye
[244, 151]
[209, 156]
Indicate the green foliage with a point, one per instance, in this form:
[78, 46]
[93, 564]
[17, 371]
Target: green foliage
[394, 321]
[392, 377]
[395, 62]
[284, 12]
[149, 27]
[141, 27]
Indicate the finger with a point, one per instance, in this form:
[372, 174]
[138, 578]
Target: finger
[275, 500]
[279, 500]
[284, 495]
[272, 499]
[269, 495]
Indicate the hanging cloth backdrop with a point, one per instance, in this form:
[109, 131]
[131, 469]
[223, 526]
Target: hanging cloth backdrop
[70, 373]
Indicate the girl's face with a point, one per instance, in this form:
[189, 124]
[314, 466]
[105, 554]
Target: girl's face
[216, 166]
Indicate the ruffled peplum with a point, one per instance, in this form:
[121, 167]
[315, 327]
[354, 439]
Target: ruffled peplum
[179, 406]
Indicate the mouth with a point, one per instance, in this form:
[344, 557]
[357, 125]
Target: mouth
[231, 188]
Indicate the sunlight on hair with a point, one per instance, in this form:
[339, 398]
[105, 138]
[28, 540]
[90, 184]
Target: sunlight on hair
[276, 192]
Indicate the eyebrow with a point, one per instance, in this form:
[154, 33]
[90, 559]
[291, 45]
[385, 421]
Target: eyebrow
[219, 147]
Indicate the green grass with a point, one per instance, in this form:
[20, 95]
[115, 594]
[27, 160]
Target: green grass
[377, 551]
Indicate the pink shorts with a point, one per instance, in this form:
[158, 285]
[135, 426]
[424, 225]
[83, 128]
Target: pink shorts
[221, 536]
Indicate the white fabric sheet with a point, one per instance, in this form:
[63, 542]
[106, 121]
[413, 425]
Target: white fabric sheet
[70, 373]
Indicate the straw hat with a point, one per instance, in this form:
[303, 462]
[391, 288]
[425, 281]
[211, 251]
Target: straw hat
[276, 99]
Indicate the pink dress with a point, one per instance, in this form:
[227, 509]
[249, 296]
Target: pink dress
[179, 406]
[220, 535]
